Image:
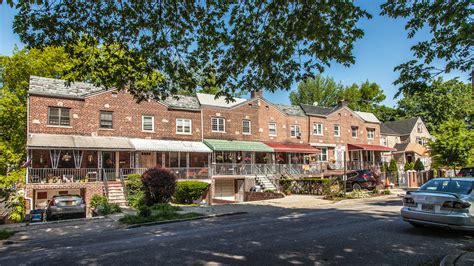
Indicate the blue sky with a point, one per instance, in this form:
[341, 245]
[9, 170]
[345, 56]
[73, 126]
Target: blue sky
[384, 46]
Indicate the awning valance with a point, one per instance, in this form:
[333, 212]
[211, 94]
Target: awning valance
[236, 145]
[292, 147]
[368, 147]
[53, 141]
[169, 145]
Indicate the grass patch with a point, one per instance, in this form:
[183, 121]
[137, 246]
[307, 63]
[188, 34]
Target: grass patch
[156, 213]
[5, 234]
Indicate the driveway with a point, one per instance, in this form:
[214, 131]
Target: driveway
[362, 232]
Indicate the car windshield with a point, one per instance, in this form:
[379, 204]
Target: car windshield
[451, 186]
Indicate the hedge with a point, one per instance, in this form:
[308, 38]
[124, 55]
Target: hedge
[189, 191]
[312, 186]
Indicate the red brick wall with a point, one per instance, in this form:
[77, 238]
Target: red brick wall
[127, 117]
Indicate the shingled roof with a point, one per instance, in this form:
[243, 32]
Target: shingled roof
[317, 110]
[400, 127]
[57, 87]
[292, 110]
[183, 102]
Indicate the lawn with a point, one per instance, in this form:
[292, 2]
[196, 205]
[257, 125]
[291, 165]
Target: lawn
[158, 212]
[5, 234]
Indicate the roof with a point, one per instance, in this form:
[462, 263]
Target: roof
[317, 110]
[211, 100]
[57, 87]
[411, 147]
[367, 117]
[182, 102]
[78, 142]
[236, 145]
[400, 127]
[293, 110]
[368, 147]
[292, 147]
[169, 145]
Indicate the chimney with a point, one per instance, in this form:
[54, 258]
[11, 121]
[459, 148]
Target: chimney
[342, 103]
[255, 94]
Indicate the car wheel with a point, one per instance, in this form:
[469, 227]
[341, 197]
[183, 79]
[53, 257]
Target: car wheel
[356, 186]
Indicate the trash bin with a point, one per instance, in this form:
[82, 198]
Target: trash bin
[36, 216]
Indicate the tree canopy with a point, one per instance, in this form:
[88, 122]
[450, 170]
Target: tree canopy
[324, 91]
[453, 145]
[451, 27]
[245, 45]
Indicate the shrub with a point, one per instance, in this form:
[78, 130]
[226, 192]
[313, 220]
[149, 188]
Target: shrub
[98, 200]
[189, 191]
[269, 190]
[419, 165]
[134, 187]
[144, 211]
[159, 185]
[386, 192]
[409, 166]
[5, 234]
[16, 205]
[115, 208]
[101, 205]
[375, 191]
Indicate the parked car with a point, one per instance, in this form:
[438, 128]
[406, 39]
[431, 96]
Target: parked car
[361, 179]
[65, 205]
[466, 171]
[445, 202]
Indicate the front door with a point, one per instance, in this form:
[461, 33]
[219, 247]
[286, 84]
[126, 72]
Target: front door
[146, 160]
[108, 164]
[240, 190]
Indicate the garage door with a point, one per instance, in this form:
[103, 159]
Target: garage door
[224, 190]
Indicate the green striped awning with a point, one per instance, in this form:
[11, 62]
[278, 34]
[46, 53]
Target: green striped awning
[236, 145]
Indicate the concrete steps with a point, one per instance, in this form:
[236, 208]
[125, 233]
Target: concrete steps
[265, 182]
[117, 194]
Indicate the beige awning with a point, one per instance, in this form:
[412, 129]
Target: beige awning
[53, 141]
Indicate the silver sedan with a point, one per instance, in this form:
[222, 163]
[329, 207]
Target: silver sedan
[444, 202]
[65, 205]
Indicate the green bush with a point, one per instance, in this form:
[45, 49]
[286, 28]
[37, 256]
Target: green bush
[5, 234]
[134, 187]
[419, 165]
[375, 191]
[98, 200]
[159, 185]
[409, 166]
[269, 190]
[386, 192]
[101, 205]
[144, 211]
[189, 191]
[115, 208]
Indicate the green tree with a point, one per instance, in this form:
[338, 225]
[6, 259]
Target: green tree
[444, 100]
[365, 97]
[419, 165]
[249, 45]
[451, 28]
[453, 145]
[324, 91]
[392, 167]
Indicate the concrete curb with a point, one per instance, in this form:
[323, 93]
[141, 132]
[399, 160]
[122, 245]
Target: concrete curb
[458, 258]
[66, 221]
[184, 220]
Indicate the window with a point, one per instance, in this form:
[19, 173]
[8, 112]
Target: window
[183, 126]
[419, 128]
[272, 129]
[148, 123]
[106, 119]
[323, 156]
[419, 140]
[383, 141]
[58, 116]
[218, 124]
[246, 127]
[337, 130]
[371, 133]
[295, 131]
[318, 129]
[354, 131]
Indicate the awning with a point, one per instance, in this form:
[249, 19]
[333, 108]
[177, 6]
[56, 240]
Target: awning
[169, 145]
[411, 147]
[292, 147]
[368, 147]
[56, 141]
[236, 145]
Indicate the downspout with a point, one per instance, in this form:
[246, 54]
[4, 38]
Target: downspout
[202, 127]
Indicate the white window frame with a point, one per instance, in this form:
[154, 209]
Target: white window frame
[324, 153]
[61, 117]
[356, 131]
[370, 133]
[318, 129]
[419, 128]
[270, 131]
[295, 131]
[183, 126]
[152, 123]
[338, 130]
[218, 125]
[249, 126]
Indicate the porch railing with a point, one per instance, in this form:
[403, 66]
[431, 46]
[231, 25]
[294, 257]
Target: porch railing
[180, 172]
[64, 175]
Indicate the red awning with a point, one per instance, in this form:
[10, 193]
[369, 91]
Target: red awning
[368, 147]
[293, 147]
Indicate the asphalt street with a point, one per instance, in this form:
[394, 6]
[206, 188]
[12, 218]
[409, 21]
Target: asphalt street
[360, 233]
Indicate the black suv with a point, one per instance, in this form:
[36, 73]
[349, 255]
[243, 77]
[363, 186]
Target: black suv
[466, 171]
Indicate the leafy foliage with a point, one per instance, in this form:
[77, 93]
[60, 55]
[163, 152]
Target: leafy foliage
[134, 187]
[419, 165]
[392, 167]
[5, 234]
[16, 205]
[102, 206]
[444, 100]
[98, 200]
[450, 23]
[324, 91]
[409, 166]
[159, 185]
[238, 46]
[189, 191]
[453, 145]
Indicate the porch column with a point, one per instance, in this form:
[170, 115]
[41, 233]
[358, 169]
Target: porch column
[187, 165]
[361, 159]
[209, 167]
[117, 164]
[99, 164]
[154, 157]
[132, 159]
[137, 160]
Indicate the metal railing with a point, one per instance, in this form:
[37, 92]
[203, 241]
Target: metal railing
[64, 175]
[180, 172]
